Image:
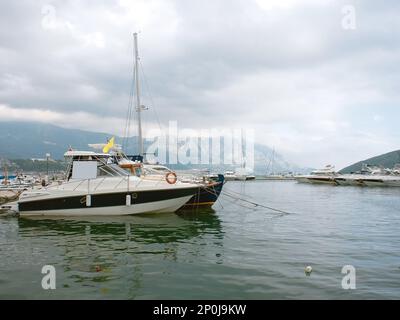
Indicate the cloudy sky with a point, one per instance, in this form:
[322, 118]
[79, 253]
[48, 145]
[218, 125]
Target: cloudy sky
[316, 79]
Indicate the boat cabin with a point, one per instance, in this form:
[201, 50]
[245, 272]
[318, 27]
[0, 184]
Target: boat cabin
[90, 165]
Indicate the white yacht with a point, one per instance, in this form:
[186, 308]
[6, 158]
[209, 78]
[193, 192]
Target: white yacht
[97, 186]
[381, 181]
[230, 176]
[321, 176]
[375, 176]
[239, 175]
[371, 176]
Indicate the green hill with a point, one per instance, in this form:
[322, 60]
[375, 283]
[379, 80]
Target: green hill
[387, 160]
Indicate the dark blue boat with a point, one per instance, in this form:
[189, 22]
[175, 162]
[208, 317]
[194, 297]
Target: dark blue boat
[207, 194]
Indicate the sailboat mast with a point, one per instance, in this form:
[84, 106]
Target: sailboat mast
[138, 106]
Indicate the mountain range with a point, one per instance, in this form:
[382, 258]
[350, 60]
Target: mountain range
[27, 140]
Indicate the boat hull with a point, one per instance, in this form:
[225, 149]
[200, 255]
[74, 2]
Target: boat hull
[323, 180]
[164, 206]
[207, 195]
[349, 181]
[392, 183]
[302, 180]
[317, 180]
[343, 181]
[373, 182]
[108, 203]
[240, 178]
[230, 178]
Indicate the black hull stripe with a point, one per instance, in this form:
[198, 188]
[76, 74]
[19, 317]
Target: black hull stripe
[105, 199]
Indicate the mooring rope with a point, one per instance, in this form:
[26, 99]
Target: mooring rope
[232, 194]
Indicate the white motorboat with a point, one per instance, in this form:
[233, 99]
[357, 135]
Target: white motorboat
[97, 186]
[229, 176]
[382, 181]
[238, 176]
[321, 176]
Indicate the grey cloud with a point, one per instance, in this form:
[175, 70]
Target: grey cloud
[207, 62]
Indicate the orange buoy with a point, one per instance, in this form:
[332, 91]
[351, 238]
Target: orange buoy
[171, 178]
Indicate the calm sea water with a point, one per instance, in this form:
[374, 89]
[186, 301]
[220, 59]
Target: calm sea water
[236, 251]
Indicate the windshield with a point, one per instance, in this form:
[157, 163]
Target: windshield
[112, 170]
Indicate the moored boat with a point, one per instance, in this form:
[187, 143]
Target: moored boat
[322, 176]
[97, 186]
[382, 181]
[208, 188]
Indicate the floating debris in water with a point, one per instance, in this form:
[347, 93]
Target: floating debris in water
[308, 270]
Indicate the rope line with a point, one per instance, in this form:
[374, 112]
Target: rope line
[225, 193]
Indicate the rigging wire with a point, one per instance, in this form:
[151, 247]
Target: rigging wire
[130, 108]
[131, 115]
[150, 95]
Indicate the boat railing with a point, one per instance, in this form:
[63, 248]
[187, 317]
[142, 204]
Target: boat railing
[102, 180]
[183, 176]
[123, 179]
[78, 184]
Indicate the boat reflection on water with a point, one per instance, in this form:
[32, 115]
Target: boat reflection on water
[114, 255]
[157, 228]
